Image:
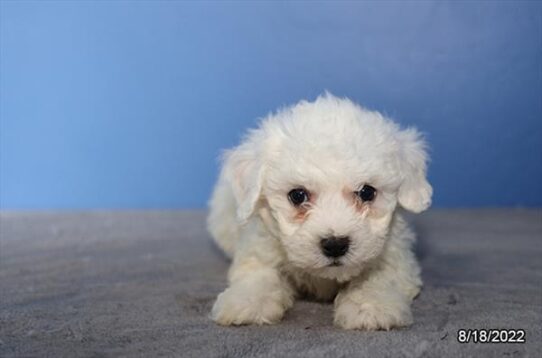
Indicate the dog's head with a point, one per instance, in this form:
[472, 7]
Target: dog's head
[326, 178]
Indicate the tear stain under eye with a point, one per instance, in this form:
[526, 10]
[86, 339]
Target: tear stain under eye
[352, 198]
[303, 212]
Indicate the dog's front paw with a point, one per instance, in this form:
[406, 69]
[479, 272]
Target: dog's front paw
[372, 313]
[237, 307]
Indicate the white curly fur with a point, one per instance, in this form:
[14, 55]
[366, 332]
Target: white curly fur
[331, 147]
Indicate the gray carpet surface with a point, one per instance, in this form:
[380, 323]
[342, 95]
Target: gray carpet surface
[141, 284]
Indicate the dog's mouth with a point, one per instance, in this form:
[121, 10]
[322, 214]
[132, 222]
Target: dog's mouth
[336, 269]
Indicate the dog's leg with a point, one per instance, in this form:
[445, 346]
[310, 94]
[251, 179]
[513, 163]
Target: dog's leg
[258, 294]
[381, 298]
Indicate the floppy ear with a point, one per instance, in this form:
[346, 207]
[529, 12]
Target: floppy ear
[244, 170]
[415, 191]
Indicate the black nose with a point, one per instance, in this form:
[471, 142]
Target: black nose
[335, 246]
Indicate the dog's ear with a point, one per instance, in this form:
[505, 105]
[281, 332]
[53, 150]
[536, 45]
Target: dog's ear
[243, 168]
[415, 191]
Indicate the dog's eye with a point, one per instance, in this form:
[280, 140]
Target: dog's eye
[298, 196]
[367, 193]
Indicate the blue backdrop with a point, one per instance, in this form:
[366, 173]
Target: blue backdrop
[126, 104]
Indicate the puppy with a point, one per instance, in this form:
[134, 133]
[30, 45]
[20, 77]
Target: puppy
[308, 205]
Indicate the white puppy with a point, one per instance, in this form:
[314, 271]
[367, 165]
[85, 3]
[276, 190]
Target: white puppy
[308, 205]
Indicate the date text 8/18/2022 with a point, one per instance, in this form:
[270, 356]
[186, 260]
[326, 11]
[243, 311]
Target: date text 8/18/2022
[491, 336]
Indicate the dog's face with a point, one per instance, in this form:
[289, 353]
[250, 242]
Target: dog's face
[326, 178]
